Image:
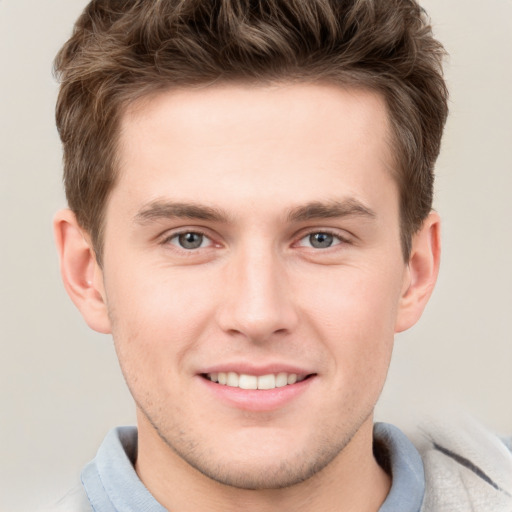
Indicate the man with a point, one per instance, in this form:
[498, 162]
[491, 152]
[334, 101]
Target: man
[250, 192]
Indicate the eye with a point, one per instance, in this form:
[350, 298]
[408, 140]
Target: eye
[320, 240]
[189, 240]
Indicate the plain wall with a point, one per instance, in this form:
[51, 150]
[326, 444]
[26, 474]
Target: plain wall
[61, 389]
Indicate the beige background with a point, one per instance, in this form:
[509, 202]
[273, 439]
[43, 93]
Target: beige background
[60, 387]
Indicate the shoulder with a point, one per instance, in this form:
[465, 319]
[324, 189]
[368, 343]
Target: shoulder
[466, 467]
[73, 501]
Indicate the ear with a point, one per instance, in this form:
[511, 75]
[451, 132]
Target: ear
[421, 273]
[81, 274]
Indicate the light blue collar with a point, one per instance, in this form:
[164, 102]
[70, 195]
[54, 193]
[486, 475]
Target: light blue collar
[112, 485]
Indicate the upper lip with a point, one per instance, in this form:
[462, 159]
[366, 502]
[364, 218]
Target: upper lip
[257, 370]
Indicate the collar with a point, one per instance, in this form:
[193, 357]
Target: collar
[112, 485]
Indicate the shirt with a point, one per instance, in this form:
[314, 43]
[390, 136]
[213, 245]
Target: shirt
[110, 483]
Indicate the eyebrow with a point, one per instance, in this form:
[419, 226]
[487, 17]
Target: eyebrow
[331, 209]
[160, 210]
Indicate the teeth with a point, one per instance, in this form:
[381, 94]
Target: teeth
[245, 381]
[232, 380]
[248, 382]
[267, 382]
[281, 380]
[292, 378]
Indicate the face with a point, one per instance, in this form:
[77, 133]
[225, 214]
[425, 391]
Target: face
[252, 241]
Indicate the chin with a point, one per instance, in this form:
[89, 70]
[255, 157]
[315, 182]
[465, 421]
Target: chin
[271, 475]
[272, 467]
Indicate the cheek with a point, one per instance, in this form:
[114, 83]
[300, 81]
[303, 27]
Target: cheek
[156, 297]
[355, 313]
[359, 300]
[156, 320]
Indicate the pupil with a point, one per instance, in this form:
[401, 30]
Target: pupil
[191, 240]
[321, 240]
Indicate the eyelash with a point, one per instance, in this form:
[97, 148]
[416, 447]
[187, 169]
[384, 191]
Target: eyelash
[168, 239]
[340, 240]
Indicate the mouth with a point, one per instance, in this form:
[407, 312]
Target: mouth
[260, 382]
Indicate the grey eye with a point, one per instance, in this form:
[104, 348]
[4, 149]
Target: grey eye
[190, 240]
[321, 240]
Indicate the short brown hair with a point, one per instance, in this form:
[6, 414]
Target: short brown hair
[121, 50]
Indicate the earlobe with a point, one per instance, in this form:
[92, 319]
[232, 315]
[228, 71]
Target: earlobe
[422, 272]
[80, 271]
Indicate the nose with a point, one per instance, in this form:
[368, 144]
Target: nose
[257, 301]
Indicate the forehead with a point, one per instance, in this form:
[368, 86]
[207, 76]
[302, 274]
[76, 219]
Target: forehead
[252, 105]
[245, 142]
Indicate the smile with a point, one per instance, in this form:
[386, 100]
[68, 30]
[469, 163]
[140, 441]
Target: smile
[246, 381]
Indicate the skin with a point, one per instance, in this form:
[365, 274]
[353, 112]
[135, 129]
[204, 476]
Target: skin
[257, 172]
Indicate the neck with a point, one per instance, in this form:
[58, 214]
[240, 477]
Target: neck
[353, 481]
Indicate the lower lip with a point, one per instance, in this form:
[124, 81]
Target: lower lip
[256, 400]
